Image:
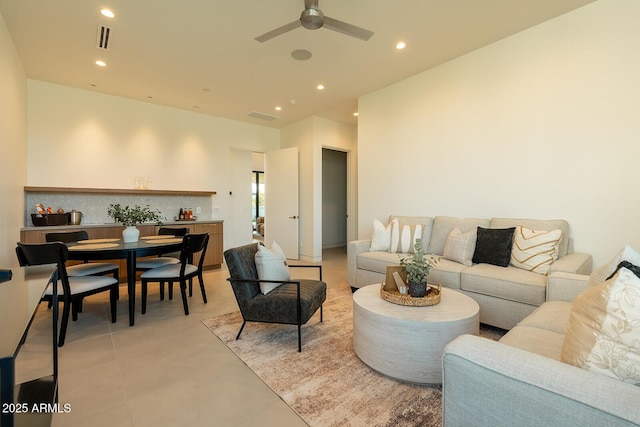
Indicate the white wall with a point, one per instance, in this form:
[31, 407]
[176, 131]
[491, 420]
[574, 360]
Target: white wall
[13, 146]
[310, 136]
[543, 124]
[78, 138]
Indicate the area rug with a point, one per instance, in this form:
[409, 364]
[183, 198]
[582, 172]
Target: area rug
[327, 384]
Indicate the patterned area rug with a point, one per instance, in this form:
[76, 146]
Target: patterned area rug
[327, 384]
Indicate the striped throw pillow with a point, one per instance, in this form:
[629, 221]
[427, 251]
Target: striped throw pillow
[535, 250]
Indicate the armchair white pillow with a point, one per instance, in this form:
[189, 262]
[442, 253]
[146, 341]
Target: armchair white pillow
[271, 265]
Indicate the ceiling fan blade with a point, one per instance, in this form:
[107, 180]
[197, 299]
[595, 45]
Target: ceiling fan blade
[274, 33]
[348, 29]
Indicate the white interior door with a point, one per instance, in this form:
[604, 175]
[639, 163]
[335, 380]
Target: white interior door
[281, 200]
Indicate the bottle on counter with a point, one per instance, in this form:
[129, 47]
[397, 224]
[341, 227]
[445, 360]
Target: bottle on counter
[190, 213]
[181, 215]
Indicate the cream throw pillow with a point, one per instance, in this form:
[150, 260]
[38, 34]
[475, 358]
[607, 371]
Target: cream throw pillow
[603, 335]
[535, 250]
[271, 265]
[403, 238]
[626, 254]
[381, 239]
[460, 246]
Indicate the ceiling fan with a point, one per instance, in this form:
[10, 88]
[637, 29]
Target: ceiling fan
[312, 18]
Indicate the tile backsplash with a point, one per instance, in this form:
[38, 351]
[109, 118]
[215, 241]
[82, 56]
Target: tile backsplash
[94, 206]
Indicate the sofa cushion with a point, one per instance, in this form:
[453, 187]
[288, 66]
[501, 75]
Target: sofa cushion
[425, 222]
[493, 246]
[627, 253]
[446, 273]
[377, 261]
[535, 250]
[552, 316]
[381, 238]
[443, 225]
[460, 246]
[538, 224]
[535, 340]
[509, 283]
[604, 329]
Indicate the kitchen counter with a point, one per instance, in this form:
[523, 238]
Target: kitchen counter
[83, 226]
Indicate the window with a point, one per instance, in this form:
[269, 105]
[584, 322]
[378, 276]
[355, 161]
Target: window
[257, 194]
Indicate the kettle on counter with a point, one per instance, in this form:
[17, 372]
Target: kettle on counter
[75, 217]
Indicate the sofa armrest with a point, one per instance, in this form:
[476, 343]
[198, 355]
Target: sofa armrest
[576, 262]
[527, 389]
[563, 286]
[355, 248]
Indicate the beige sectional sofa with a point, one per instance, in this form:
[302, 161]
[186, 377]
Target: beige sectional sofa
[506, 295]
[520, 380]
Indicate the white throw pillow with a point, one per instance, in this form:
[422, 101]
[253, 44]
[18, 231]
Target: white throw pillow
[381, 239]
[535, 250]
[271, 265]
[603, 334]
[460, 246]
[403, 238]
[626, 254]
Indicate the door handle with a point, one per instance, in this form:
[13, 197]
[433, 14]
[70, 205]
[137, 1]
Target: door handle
[293, 217]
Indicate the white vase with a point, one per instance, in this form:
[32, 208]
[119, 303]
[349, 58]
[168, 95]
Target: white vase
[130, 234]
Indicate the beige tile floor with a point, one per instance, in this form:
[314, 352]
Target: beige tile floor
[167, 370]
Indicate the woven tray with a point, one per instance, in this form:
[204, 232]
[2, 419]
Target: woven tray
[393, 295]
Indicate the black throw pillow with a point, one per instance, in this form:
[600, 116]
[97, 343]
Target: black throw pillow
[626, 264]
[493, 246]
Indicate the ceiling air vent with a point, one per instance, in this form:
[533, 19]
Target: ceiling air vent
[263, 116]
[103, 37]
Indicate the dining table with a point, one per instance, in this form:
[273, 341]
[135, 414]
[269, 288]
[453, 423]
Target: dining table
[114, 248]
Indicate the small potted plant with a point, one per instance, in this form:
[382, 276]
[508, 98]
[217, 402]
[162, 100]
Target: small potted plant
[418, 268]
[130, 217]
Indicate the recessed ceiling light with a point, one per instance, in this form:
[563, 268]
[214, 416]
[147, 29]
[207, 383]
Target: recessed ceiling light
[320, 87]
[205, 90]
[278, 108]
[92, 84]
[195, 107]
[101, 63]
[149, 97]
[401, 45]
[356, 114]
[107, 13]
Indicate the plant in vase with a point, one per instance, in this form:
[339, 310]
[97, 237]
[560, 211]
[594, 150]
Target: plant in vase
[130, 217]
[418, 268]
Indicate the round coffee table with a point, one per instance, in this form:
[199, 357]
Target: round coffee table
[405, 342]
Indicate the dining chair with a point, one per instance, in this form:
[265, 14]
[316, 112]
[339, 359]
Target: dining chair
[181, 272]
[164, 259]
[86, 268]
[292, 303]
[70, 289]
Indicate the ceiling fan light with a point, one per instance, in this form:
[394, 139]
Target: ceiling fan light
[312, 19]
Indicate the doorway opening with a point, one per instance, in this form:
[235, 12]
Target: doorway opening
[334, 198]
[257, 196]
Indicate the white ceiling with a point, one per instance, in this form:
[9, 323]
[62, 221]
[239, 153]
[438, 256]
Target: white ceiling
[168, 52]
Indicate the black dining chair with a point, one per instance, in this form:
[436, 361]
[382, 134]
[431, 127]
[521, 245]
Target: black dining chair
[292, 303]
[87, 268]
[164, 259]
[70, 289]
[182, 272]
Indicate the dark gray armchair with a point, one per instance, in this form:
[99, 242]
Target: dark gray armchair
[293, 303]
